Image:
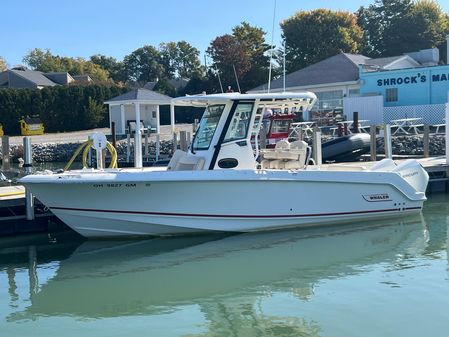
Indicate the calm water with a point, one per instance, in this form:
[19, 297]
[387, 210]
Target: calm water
[377, 279]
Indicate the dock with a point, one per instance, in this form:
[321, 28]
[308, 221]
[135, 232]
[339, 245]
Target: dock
[13, 213]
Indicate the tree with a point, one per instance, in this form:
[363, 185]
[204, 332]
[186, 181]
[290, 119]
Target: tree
[381, 23]
[3, 64]
[45, 61]
[245, 51]
[253, 39]
[312, 36]
[425, 26]
[180, 59]
[227, 53]
[144, 65]
[111, 65]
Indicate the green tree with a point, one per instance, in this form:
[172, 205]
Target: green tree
[45, 61]
[144, 65]
[245, 50]
[111, 65]
[180, 59]
[3, 64]
[312, 36]
[381, 23]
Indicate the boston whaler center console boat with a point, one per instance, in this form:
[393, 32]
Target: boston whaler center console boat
[226, 183]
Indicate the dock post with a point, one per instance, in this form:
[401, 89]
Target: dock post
[175, 141]
[28, 166]
[183, 140]
[426, 141]
[373, 147]
[355, 124]
[317, 157]
[387, 142]
[195, 125]
[128, 147]
[6, 163]
[158, 146]
[189, 139]
[447, 130]
[147, 150]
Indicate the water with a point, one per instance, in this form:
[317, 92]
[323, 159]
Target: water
[387, 278]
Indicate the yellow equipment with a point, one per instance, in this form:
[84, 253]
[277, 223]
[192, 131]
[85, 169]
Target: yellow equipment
[2, 133]
[31, 126]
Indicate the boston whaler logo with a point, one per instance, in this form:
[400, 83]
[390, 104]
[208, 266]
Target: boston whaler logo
[376, 197]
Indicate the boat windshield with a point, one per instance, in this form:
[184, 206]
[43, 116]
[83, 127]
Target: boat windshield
[207, 127]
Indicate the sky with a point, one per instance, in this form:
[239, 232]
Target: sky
[83, 28]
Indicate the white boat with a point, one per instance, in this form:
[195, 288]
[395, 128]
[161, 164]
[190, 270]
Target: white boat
[221, 184]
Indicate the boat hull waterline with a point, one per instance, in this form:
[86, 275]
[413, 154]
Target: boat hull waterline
[141, 202]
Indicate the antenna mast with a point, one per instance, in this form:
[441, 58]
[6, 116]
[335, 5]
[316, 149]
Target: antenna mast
[236, 78]
[285, 44]
[272, 47]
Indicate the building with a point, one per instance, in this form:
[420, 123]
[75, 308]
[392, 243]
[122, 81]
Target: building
[346, 83]
[23, 78]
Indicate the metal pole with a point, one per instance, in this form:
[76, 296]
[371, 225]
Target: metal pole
[387, 141]
[426, 141]
[28, 166]
[6, 163]
[114, 135]
[317, 157]
[373, 148]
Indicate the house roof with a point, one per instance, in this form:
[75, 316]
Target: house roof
[141, 95]
[339, 68]
[36, 77]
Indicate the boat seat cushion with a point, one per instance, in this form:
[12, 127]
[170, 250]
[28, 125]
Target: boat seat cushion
[183, 161]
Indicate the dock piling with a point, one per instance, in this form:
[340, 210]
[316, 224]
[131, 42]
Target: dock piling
[128, 147]
[373, 147]
[387, 141]
[183, 141]
[175, 141]
[28, 166]
[426, 141]
[317, 157]
[6, 163]
[158, 146]
[146, 149]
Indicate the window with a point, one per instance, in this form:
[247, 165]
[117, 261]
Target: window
[391, 95]
[354, 92]
[280, 126]
[207, 127]
[238, 128]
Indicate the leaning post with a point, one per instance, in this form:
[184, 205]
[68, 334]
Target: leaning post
[317, 157]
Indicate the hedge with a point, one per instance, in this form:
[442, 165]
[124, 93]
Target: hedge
[61, 108]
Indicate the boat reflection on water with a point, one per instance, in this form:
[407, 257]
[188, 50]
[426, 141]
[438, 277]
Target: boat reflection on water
[110, 279]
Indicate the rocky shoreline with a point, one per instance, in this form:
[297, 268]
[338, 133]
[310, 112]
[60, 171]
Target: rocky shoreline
[49, 152]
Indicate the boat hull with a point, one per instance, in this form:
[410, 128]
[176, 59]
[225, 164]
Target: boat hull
[167, 203]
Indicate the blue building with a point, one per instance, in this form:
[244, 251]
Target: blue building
[405, 87]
